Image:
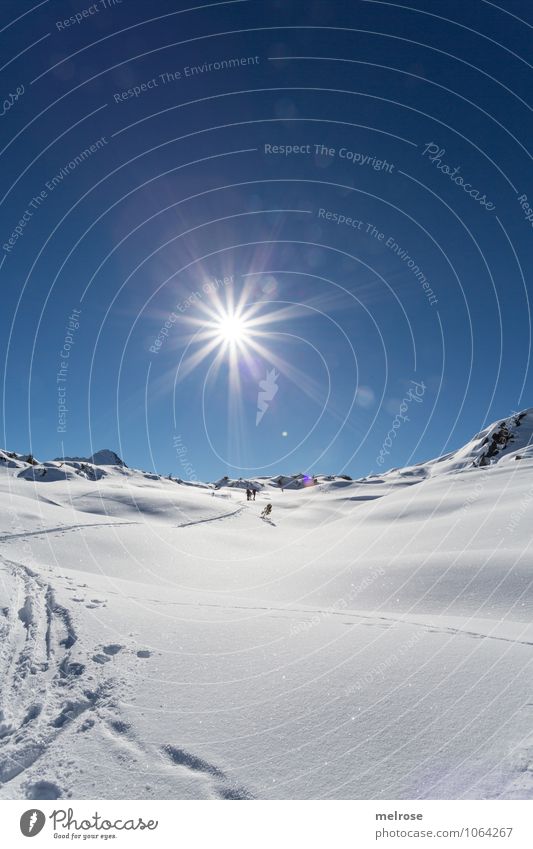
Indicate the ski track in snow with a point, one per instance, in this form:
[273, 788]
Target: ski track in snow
[60, 528]
[168, 762]
[81, 526]
[46, 693]
[211, 519]
[223, 788]
[358, 617]
[43, 690]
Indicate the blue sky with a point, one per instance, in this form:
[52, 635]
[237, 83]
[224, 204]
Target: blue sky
[326, 167]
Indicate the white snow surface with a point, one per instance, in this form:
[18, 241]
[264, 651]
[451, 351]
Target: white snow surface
[374, 639]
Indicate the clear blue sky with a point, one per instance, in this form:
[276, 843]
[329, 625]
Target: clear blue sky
[169, 150]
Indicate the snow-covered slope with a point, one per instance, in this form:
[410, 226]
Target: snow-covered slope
[373, 639]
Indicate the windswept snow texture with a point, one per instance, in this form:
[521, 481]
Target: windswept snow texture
[374, 639]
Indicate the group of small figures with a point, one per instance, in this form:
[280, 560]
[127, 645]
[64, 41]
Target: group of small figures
[267, 509]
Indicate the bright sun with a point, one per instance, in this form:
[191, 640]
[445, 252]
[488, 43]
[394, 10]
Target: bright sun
[231, 328]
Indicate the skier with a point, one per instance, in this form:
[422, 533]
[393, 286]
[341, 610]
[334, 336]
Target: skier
[253, 494]
[267, 510]
[248, 494]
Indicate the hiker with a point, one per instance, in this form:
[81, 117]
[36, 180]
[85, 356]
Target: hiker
[267, 510]
[248, 494]
[253, 494]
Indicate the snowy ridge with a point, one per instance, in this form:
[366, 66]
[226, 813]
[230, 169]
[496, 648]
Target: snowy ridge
[506, 440]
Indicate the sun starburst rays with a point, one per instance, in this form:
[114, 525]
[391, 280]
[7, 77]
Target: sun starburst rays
[234, 338]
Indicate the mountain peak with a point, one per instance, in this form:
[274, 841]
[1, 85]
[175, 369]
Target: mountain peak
[106, 457]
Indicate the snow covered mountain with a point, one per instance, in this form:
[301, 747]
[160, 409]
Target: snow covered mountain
[104, 457]
[506, 440]
[373, 639]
